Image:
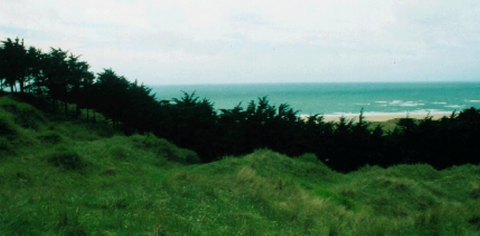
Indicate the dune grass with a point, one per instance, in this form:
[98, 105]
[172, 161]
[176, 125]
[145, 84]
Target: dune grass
[76, 178]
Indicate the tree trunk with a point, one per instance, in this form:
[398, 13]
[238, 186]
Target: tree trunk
[77, 111]
[54, 105]
[21, 87]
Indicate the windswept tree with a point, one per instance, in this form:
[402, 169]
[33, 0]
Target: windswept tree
[316, 136]
[87, 95]
[78, 76]
[13, 66]
[284, 132]
[56, 73]
[259, 118]
[2, 70]
[140, 107]
[232, 132]
[197, 124]
[191, 123]
[34, 72]
[112, 92]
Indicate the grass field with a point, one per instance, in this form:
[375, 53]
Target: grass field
[72, 177]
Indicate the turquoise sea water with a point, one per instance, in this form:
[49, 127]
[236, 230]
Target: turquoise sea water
[339, 98]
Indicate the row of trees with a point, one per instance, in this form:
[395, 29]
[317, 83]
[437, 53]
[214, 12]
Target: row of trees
[344, 146]
[64, 79]
[57, 74]
[193, 123]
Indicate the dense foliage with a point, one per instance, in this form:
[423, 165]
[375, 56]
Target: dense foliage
[74, 177]
[193, 123]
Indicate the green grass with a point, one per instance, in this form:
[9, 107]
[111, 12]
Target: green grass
[71, 177]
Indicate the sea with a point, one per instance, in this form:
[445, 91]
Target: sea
[337, 99]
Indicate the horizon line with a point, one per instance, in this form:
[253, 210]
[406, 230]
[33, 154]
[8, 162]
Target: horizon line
[318, 82]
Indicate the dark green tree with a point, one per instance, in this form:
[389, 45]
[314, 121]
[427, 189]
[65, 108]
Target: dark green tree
[78, 76]
[13, 65]
[34, 72]
[232, 132]
[56, 74]
[317, 137]
[112, 95]
[190, 123]
[2, 70]
[140, 107]
[87, 96]
[283, 130]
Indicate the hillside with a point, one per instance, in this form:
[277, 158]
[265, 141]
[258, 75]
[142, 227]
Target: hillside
[62, 176]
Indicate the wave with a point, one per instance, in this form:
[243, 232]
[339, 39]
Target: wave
[395, 103]
[398, 114]
[455, 106]
[406, 104]
[362, 104]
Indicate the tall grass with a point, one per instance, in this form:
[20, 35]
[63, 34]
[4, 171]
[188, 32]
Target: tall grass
[24, 114]
[67, 182]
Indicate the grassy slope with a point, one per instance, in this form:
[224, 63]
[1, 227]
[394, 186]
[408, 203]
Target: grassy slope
[75, 178]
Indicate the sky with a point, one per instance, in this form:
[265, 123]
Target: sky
[244, 41]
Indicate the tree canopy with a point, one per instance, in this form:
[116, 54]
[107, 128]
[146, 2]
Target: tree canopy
[62, 78]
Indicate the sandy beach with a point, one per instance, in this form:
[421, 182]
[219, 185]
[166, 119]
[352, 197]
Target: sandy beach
[387, 117]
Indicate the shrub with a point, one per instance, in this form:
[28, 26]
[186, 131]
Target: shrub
[77, 131]
[6, 148]
[311, 157]
[14, 139]
[118, 152]
[50, 137]
[110, 171]
[69, 225]
[165, 149]
[67, 159]
[7, 127]
[308, 157]
[86, 135]
[475, 193]
[103, 130]
[25, 115]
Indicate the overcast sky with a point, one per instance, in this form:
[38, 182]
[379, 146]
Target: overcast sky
[210, 41]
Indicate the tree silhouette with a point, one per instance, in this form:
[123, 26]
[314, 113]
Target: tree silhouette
[78, 76]
[196, 125]
[3, 61]
[14, 63]
[283, 130]
[190, 123]
[86, 95]
[56, 76]
[316, 136]
[34, 71]
[112, 91]
[232, 132]
[140, 107]
[193, 123]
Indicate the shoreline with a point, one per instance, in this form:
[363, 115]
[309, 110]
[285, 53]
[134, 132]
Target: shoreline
[384, 117]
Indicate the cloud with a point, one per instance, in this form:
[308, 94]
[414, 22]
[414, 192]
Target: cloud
[155, 41]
